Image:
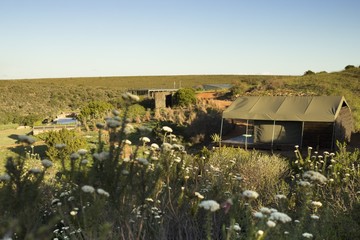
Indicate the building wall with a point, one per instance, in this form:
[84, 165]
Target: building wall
[160, 99]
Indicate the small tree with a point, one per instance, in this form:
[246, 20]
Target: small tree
[185, 97]
[349, 67]
[309, 72]
[61, 144]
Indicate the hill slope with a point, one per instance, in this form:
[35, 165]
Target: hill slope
[43, 97]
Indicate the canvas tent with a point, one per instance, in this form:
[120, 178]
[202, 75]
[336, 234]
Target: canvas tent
[278, 121]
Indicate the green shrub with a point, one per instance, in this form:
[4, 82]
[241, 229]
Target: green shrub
[309, 72]
[185, 97]
[135, 111]
[349, 67]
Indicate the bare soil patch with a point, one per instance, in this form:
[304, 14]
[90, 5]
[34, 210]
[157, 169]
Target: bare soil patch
[212, 97]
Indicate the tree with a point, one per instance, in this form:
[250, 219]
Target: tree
[185, 97]
[349, 67]
[96, 109]
[309, 72]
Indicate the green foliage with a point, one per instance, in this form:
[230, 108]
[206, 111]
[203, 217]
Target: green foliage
[135, 111]
[239, 88]
[185, 97]
[95, 110]
[309, 72]
[70, 140]
[349, 67]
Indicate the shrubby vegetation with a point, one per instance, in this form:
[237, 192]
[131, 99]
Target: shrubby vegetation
[152, 188]
[26, 101]
[185, 97]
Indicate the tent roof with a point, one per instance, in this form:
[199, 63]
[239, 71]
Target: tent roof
[278, 108]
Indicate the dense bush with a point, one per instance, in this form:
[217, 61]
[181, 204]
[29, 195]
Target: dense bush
[349, 67]
[309, 72]
[185, 97]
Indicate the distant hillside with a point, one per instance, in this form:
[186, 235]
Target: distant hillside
[43, 97]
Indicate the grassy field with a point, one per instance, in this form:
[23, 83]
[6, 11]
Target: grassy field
[8, 136]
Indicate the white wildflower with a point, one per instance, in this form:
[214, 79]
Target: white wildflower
[210, 205]
[280, 196]
[128, 142]
[197, 194]
[60, 146]
[250, 194]
[273, 210]
[304, 183]
[307, 235]
[279, 216]
[82, 152]
[260, 232]
[102, 192]
[149, 199]
[74, 156]
[258, 214]
[178, 147]
[84, 161]
[101, 156]
[236, 227]
[316, 204]
[35, 170]
[55, 201]
[315, 176]
[88, 189]
[166, 146]
[265, 210]
[129, 129]
[143, 161]
[270, 224]
[46, 163]
[315, 217]
[154, 146]
[5, 177]
[145, 139]
[73, 213]
[167, 129]
[112, 123]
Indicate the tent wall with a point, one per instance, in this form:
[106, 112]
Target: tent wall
[281, 132]
[344, 125]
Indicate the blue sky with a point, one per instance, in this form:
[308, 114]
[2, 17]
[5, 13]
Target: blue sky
[69, 38]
